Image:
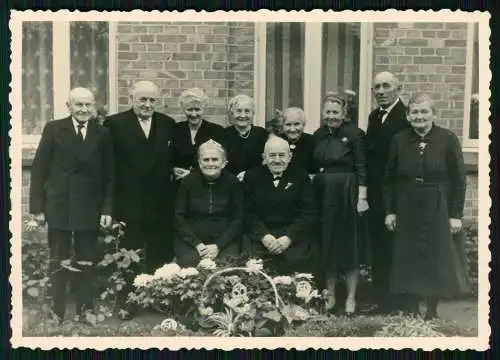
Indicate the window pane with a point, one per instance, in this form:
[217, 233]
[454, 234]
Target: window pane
[37, 76]
[285, 66]
[89, 58]
[340, 69]
[474, 106]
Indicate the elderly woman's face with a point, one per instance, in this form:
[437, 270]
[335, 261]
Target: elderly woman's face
[242, 113]
[293, 126]
[194, 112]
[333, 114]
[421, 116]
[211, 162]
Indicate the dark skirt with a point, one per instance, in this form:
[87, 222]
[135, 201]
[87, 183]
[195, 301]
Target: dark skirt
[342, 231]
[427, 259]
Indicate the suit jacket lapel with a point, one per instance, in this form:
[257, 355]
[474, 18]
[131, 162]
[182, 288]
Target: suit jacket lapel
[90, 142]
[160, 136]
[67, 137]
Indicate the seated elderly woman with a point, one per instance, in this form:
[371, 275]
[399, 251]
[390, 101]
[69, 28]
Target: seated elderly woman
[281, 211]
[301, 143]
[209, 210]
[194, 131]
[244, 141]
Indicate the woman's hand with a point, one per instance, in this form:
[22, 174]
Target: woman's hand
[455, 225]
[390, 222]
[362, 205]
[180, 173]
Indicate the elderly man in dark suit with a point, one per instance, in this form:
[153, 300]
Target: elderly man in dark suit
[281, 211]
[71, 189]
[383, 123]
[144, 193]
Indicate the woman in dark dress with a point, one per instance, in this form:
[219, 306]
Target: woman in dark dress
[341, 194]
[301, 143]
[209, 210]
[192, 132]
[244, 141]
[424, 194]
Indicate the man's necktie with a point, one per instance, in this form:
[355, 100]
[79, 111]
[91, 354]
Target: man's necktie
[381, 114]
[80, 126]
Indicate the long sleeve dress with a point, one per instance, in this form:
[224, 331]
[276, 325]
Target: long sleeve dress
[208, 212]
[340, 157]
[424, 187]
[244, 153]
[302, 152]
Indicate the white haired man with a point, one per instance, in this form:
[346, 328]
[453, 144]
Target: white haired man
[281, 210]
[72, 189]
[143, 146]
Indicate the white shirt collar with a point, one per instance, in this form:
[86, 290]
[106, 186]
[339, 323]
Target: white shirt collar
[76, 123]
[390, 107]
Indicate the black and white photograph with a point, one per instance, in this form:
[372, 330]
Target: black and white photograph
[241, 180]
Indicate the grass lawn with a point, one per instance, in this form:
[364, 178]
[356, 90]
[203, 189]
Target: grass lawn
[458, 318]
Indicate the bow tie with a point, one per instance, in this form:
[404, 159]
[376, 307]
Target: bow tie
[80, 123]
[277, 177]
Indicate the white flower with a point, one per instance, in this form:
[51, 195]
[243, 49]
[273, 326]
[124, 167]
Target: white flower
[190, 271]
[207, 264]
[167, 271]
[303, 289]
[304, 276]
[205, 311]
[242, 309]
[282, 280]
[143, 280]
[254, 265]
[168, 324]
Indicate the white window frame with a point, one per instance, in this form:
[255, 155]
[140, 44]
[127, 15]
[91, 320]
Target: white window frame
[312, 73]
[61, 74]
[469, 145]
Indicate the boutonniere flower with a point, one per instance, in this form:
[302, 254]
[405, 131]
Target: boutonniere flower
[288, 186]
[345, 140]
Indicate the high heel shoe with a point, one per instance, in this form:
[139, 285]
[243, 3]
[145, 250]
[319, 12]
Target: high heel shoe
[350, 307]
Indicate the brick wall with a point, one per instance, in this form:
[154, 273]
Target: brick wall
[217, 57]
[431, 58]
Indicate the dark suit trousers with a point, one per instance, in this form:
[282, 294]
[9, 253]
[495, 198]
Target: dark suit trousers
[60, 244]
[155, 239]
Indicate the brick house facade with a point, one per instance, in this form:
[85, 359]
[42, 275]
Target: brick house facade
[230, 58]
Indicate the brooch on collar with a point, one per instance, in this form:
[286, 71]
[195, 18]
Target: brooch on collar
[292, 146]
[345, 140]
[422, 146]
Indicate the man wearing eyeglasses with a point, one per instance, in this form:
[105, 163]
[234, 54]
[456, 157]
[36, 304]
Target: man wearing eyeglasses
[144, 193]
[384, 122]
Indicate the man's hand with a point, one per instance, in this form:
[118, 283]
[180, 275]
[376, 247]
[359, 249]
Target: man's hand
[180, 173]
[212, 251]
[202, 250]
[241, 176]
[106, 221]
[455, 225]
[390, 222]
[362, 205]
[40, 219]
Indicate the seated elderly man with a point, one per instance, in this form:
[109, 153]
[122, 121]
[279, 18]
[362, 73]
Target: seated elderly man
[281, 211]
